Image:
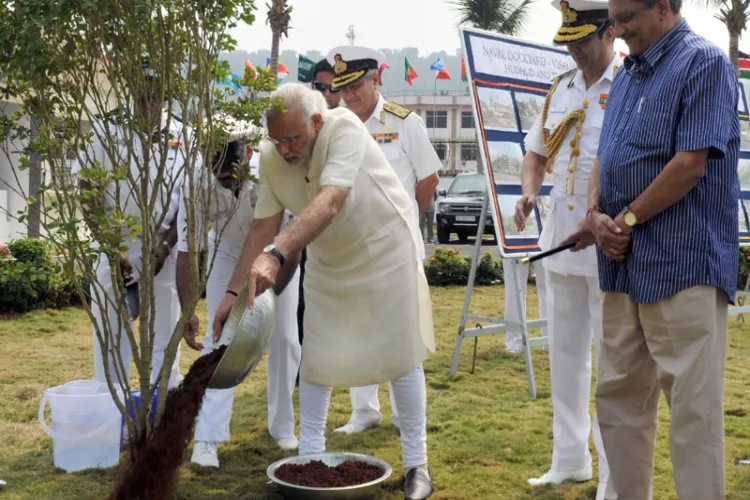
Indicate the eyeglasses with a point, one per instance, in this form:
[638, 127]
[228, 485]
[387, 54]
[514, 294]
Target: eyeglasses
[322, 87]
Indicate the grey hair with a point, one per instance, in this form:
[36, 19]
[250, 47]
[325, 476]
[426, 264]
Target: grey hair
[290, 94]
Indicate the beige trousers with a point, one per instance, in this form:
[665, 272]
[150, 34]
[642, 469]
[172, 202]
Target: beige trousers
[678, 345]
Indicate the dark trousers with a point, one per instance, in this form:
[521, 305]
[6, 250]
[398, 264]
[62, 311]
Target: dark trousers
[301, 300]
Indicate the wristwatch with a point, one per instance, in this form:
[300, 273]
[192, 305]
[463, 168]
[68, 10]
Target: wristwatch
[271, 249]
[629, 217]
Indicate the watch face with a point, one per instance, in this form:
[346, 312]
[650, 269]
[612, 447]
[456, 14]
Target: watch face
[268, 248]
[630, 219]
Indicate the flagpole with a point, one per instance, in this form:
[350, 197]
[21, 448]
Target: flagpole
[434, 110]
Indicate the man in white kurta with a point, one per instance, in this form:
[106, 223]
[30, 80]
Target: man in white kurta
[402, 136]
[574, 300]
[230, 214]
[111, 137]
[368, 316]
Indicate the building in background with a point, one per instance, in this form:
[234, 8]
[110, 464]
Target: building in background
[450, 124]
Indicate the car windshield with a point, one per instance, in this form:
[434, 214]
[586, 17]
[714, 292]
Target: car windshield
[468, 185]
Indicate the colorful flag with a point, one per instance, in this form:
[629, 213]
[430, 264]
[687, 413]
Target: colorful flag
[744, 66]
[382, 68]
[305, 68]
[438, 64]
[464, 77]
[443, 74]
[250, 69]
[409, 73]
[280, 67]
[231, 80]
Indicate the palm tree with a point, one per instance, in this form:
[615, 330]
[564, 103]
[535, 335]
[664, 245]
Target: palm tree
[734, 14]
[278, 17]
[502, 16]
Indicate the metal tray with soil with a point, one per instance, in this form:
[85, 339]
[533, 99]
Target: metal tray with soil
[329, 476]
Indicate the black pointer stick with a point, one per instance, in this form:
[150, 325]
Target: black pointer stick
[542, 255]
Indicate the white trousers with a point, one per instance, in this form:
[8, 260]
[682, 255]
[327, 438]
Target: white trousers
[166, 316]
[284, 352]
[410, 396]
[513, 339]
[575, 320]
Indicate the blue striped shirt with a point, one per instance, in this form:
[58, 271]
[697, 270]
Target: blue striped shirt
[678, 95]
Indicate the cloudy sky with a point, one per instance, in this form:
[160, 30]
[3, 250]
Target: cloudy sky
[429, 25]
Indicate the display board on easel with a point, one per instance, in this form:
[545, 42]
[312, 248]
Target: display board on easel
[508, 80]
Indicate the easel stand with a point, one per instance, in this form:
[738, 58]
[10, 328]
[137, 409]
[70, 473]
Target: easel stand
[496, 325]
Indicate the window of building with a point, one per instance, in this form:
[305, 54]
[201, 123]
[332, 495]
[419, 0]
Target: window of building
[441, 149]
[437, 119]
[468, 152]
[467, 119]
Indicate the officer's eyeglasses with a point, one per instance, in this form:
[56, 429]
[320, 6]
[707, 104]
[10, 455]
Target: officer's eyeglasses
[322, 87]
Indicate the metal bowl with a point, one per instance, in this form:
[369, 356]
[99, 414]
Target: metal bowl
[332, 459]
[246, 334]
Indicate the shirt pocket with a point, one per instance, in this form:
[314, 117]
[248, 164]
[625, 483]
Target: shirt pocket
[653, 126]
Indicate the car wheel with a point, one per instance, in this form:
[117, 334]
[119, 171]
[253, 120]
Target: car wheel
[443, 234]
[463, 237]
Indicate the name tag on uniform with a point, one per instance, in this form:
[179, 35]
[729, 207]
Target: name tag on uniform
[603, 100]
[385, 137]
[175, 145]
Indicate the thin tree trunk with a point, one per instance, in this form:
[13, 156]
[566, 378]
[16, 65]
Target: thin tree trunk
[35, 182]
[275, 55]
[734, 50]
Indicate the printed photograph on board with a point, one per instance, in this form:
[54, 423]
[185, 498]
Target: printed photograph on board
[742, 221]
[544, 205]
[745, 135]
[507, 204]
[529, 108]
[496, 106]
[743, 170]
[505, 160]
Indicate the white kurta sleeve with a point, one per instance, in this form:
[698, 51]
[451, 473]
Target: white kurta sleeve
[268, 203]
[420, 151]
[534, 140]
[346, 153]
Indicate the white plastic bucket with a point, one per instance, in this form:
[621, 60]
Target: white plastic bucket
[85, 427]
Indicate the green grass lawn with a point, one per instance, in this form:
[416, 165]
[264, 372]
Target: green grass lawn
[486, 435]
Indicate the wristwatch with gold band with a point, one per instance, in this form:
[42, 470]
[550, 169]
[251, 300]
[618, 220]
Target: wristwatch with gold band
[629, 217]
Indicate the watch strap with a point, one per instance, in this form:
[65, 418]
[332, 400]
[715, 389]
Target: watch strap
[276, 253]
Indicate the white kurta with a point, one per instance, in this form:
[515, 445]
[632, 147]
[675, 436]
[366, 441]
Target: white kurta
[368, 317]
[166, 312]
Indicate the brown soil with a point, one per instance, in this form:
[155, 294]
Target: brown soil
[151, 470]
[316, 474]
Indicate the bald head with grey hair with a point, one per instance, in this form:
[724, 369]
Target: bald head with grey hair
[296, 94]
[294, 120]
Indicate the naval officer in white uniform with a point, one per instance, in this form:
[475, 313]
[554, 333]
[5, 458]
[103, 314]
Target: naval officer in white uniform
[402, 136]
[169, 137]
[573, 112]
[232, 203]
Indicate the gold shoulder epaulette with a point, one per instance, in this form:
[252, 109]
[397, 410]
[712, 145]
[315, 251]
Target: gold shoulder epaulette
[397, 109]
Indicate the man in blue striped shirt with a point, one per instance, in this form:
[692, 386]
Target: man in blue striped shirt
[664, 217]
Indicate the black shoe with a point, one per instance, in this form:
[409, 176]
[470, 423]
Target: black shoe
[417, 483]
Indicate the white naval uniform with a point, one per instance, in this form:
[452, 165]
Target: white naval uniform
[513, 339]
[231, 218]
[368, 316]
[166, 305]
[574, 303]
[407, 146]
